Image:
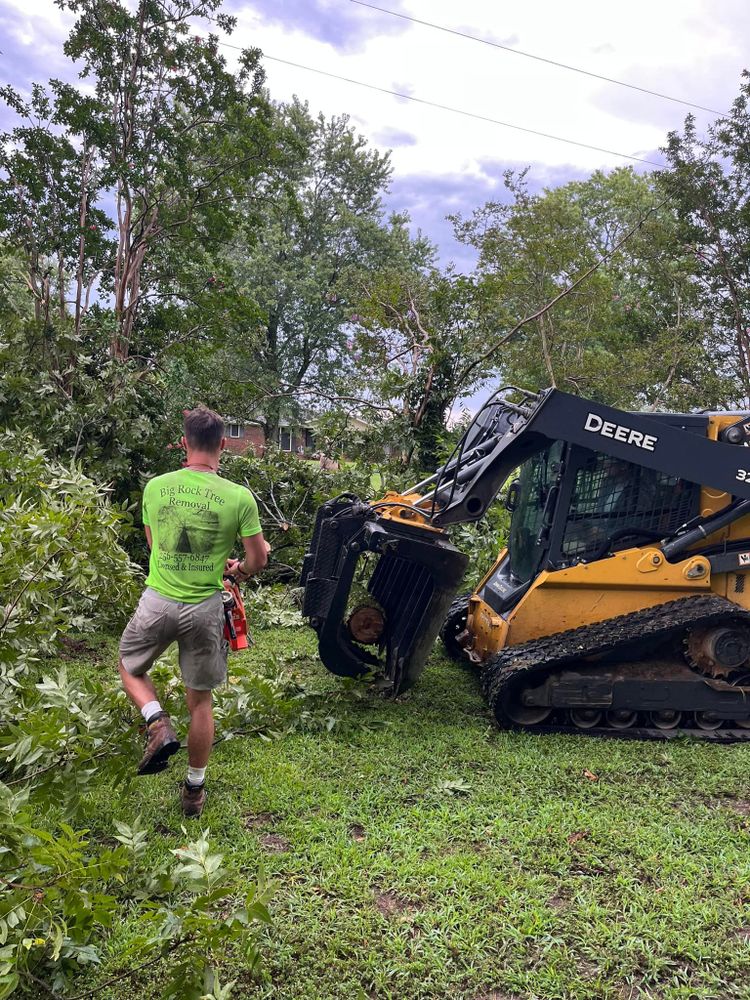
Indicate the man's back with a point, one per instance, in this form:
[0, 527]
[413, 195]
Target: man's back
[195, 518]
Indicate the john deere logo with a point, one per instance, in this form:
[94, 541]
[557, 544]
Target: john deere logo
[619, 432]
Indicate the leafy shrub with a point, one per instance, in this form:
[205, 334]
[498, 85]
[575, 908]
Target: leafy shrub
[482, 540]
[289, 491]
[105, 414]
[59, 894]
[275, 607]
[61, 563]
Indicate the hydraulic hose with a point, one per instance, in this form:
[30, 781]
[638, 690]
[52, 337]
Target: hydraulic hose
[674, 548]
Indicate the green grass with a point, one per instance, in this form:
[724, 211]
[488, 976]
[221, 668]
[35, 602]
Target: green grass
[525, 878]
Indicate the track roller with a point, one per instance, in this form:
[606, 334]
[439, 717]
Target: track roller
[585, 718]
[667, 719]
[621, 718]
[707, 720]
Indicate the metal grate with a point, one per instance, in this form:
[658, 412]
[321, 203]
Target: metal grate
[739, 583]
[616, 504]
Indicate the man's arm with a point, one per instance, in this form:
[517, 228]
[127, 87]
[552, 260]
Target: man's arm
[255, 546]
[147, 529]
[256, 554]
[255, 558]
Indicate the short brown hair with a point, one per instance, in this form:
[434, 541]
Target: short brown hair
[204, 429]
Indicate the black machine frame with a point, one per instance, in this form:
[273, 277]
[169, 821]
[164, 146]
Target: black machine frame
[505, 434]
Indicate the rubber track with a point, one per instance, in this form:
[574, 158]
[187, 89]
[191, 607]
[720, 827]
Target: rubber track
[459, 606]
[529, 662]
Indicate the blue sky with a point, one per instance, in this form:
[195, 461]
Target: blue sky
[693, 49]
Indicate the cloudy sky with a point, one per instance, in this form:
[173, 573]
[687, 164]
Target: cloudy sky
[693, 50]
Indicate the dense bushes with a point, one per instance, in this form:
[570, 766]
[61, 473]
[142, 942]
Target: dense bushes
[62, 566]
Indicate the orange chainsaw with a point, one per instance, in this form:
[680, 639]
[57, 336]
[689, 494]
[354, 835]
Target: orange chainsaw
[235, 617]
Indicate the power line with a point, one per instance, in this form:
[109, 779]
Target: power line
[530, 55]
[452, 110]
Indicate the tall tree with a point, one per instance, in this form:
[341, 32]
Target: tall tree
[709, 182]
[170, 139]
[322, 232]
[420, 337]
[631, 333]
[118, 197]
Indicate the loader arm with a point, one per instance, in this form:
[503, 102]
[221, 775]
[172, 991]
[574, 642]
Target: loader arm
[417, 570]
[507, 434]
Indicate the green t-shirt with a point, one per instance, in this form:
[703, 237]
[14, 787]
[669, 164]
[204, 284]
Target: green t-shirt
[195, 519]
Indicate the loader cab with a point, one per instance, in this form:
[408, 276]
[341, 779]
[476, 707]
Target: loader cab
[571, 505]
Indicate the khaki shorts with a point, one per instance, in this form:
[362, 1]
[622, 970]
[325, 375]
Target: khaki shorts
[198, 630]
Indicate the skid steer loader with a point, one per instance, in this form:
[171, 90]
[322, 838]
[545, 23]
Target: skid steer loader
[621, 605]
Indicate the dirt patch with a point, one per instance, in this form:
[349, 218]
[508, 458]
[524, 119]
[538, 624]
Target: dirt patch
[255, 820]
[739, 806]
[275, 843]
[573, 838]
[357, 832]
[390, 904]
[76, 649]
[557, 902]
[587, 970]
[742, 934]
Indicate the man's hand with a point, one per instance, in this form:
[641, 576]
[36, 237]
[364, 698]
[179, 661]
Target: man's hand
[232, 567]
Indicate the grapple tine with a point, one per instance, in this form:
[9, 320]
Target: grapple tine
[417, 573]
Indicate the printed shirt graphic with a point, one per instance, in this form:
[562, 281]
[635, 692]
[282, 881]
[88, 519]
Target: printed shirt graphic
[195, 519]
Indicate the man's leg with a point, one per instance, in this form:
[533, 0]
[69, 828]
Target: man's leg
[140, 690]
[201, 732]
[161, 739]
[200, 741]
[148, 633]
[203, 662]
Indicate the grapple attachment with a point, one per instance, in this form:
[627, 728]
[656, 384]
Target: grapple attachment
[415, 576]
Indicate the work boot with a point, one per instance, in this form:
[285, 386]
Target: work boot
[193, 798]
[161, 743]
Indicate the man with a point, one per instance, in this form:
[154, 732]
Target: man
[192, 520]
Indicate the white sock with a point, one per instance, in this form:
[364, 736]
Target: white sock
[196, 775]
[150, 709]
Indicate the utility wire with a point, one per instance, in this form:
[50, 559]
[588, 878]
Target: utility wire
[530, 55]
[452, 110]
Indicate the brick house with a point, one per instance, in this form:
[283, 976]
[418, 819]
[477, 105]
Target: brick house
[248, 436]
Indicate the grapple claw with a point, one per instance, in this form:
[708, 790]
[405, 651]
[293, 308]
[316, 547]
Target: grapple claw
[413, 582]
